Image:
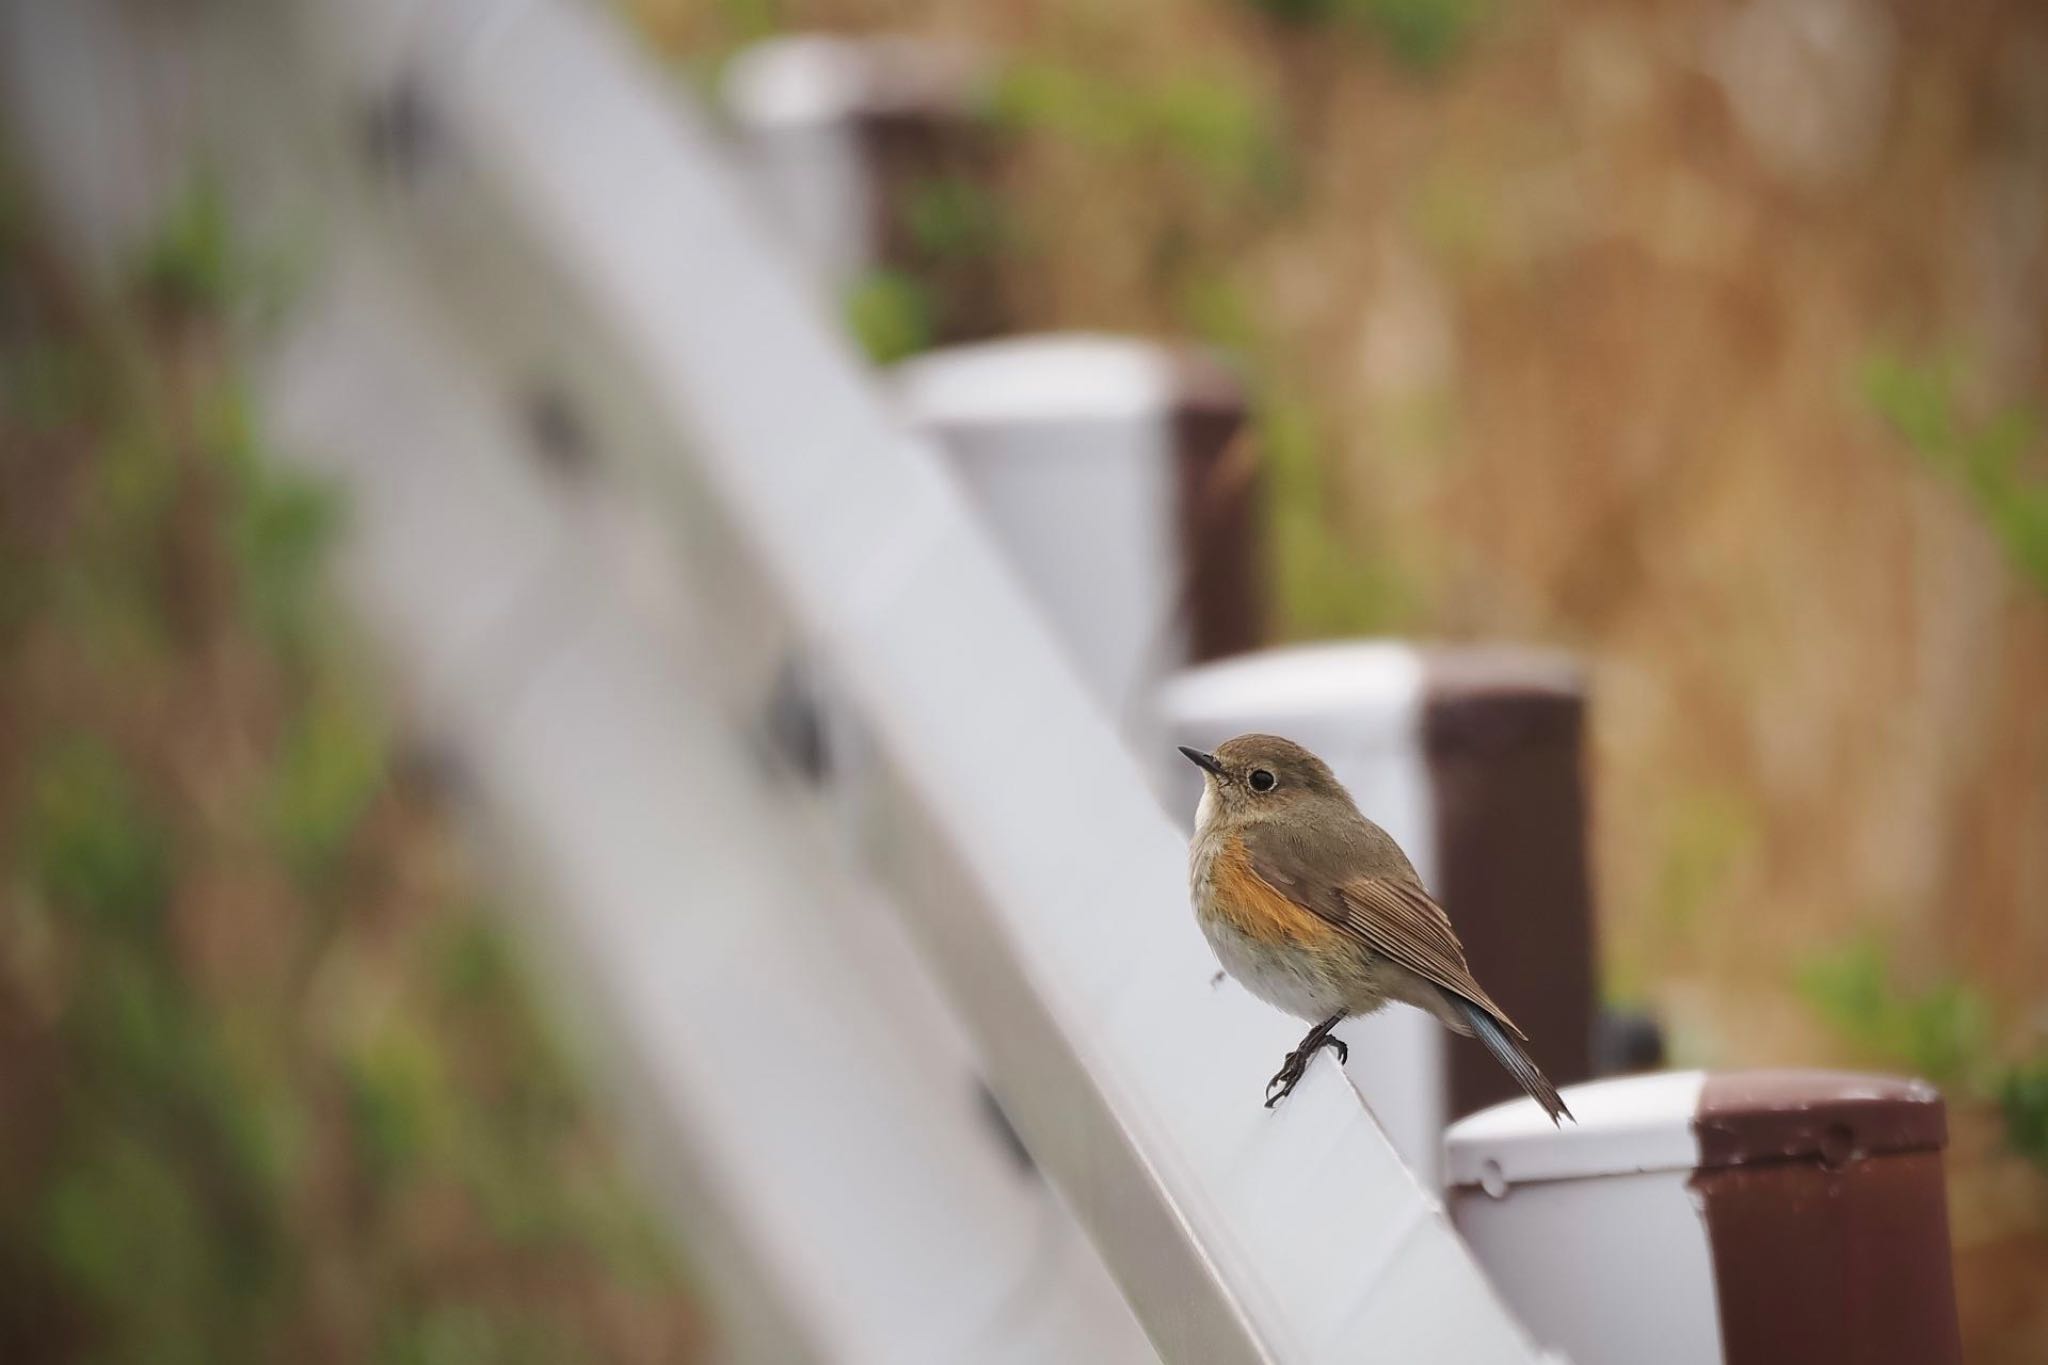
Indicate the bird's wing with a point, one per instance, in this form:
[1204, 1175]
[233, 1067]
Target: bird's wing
[1392, 916]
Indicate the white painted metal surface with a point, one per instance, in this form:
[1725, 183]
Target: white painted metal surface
[1042, 883]
[810, 1097]
[1359, 706]
[568, 226]
[1054, 377]
[1065, 445]
[1591, 1231]
[1632, 1123]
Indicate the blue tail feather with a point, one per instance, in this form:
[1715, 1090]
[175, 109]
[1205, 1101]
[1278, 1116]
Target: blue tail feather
[1510, 1053]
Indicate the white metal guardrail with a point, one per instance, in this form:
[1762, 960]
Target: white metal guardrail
[571, 262]
[786, 1056]
[1119, 477]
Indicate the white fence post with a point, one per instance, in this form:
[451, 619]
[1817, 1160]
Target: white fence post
[1469, 757]
[875, 153]
[1719, 1219]
[1116, 476]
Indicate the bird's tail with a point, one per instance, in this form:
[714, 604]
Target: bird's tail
[1510, 1053]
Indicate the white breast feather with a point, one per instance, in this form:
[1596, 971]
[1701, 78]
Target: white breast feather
[1206, 810]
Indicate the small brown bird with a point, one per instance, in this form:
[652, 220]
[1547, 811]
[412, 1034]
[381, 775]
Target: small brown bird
[1316, 910]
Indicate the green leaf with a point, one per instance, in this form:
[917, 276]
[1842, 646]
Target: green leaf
[890, 315]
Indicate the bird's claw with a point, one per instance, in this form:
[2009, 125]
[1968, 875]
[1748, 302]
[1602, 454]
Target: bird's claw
[1284, 1081]
[1296, 1066]
[1288, 1076]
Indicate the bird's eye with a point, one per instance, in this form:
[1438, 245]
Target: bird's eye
[1261, 780]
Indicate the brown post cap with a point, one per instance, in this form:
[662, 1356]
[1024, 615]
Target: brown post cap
[1835, 1117]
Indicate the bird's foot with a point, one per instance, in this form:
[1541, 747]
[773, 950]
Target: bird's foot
[1296, 1066]
[1285, 1079]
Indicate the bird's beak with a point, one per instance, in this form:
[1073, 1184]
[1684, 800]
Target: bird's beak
[1206, 762]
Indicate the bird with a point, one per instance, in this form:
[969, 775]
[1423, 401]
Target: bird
[1316, 910]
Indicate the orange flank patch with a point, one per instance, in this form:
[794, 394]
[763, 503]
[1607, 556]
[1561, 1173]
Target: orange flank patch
[1256, 910]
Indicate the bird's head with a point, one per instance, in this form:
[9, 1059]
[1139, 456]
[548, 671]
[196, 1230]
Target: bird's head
[1254, 778]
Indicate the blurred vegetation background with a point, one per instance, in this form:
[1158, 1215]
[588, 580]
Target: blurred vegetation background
[1705, 339]
[274, 1087]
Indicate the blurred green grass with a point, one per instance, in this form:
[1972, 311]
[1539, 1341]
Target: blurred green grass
[1996, 461]
[1942, 1029]
[1207, 124]
[275, 1085]
[1423, 36]
[889, 313]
